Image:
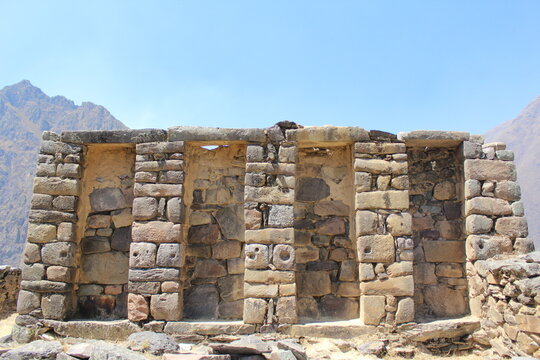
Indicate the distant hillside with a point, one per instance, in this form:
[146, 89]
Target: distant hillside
[522, 135]
[25, 111]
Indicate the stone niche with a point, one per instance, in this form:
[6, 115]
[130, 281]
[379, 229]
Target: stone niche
[436, 201]
[214, 196]
[327, 265]
[105, 214]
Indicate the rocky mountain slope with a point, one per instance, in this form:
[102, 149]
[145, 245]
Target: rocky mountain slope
[522, 135]
[25, 111]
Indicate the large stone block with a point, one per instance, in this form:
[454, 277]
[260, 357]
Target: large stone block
[372, 309]
[28, 301]
[56, 186]
[392, 199]
[512, 226]
[376, 248]
[167, 147]
[444, 301]
[444, 251]
[398, 286]
[56, 306]
[286, 310]
[366, 222]
[158, 190]
[508, 190]
[231, 288]
[142, 255]
[107, 199]
[170, 255]
[284, 257]
[333, 307]
[145, 208]
[281, 216]
[378, 166]
[59, 273]
[41, 233]
[269, 276]
[156, 232]
[32, 272]
[260, 290]
[489, 170]
[166, 306]
[254, 311]
[269, 195]
[487, 206]
[175, 210]
[405, 311]
[478, 224]
[60, 253]
[32, 253]
[66, 231]
[399, 224]
[482, 247]
[331, 208]
[313, 283]
[154, 275]
[270, 236]
[105, 268]
[257, 256]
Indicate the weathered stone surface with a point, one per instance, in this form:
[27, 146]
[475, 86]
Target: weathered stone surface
[156, 232]
[95, 244]
[33, 272]
[424, 273]
[478, 224]
[138, 309]
[487, 206]
[59, 273]
[55, 306]
[270, 195]
[158, 190]
[145, 208]
[227, 250]
[376, 248]
[523, 246]
[105, 268]
[270, 236]
[280, 216]
[107, 199]
[443, 329]
[142, 255]
[284, 257]
[400, 269]
[331, 208]
[482, 247]
[449, 270]
[45, 286]
[444, 251]
[377, 166]
[122, 218]
[366, 222]
[261, 290]
[489, 170]
[444, 301]
[512, 226]
[154, 343]
[66, 203]
[201, 302]
[398, 286]
[392, 199]
[313, 283]
[405, 311]
[311, 189]
[166, 306]
[98, 221]
[331, 226]
[257, 256]
[66, 231]
[60, 253]
[433, 138]
[121, 239]
[508, 190]
[39, 349]
[333, 307]
[53, 217]
[286, 310]
[254, 311]
[170, 255]
[113, 136]
[249, 345]
[105, 330]
[269, 276]
[28, 301]
[41, 233]
[372, 309]
[399, 224]
[373, 348]
[203, 234]
[56, 186]
[472, 188]
[175, 210]
[230, 224]
[209, 269]
[231, 288]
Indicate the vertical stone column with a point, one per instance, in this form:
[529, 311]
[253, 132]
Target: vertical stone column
[157, 252]
[269, 277]
[383, 227]
[495, 222]
[50, 254]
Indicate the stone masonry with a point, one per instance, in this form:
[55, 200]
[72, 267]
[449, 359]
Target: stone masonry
[275, 227]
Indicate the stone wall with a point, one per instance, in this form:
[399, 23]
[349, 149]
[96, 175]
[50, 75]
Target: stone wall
[327, 264]
[273, 227]
[10, 282]
[214, 198]
[436, 195]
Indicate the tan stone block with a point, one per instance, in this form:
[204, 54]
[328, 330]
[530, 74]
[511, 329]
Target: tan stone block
[398, 286]
[156, 232]
[158, 190]
[405, 311]
[362, 181]
[489, 170]
[378, 166]
[170, 286]
[529, 323]
[284, 257]
[444, 251]
[348, 289]
[270, 195]
[366, 272]
[400, 269]
[399, 224]
[32, 253]
[122, 218]
[313, 283]
[512, 226]
[286, 310]
[254, 311]
[56, 186]
[376, 248]
[482, 247]
[166, 306]
[449, 270]
[66, 231]
[392, 199]
[270, 236]
[260, 291]
[145, 208]
[472, 188]
[450, 229]
[269, 276]
[137, 308]
[306, 254]
[366, 222]
[41, 233]
[372, 309]
[478, 224]
[508, 190]
[445, 190]
[98, 221]
[400, 182]
[424, 273]
[287, 289]
[59, 273]
[487, 206]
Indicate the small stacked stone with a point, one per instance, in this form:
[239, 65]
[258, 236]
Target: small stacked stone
[157, 252]
[49, 256]
[383, 227]
[269, 288]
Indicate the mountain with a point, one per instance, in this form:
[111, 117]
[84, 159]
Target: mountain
[522, 135]
[25, 112]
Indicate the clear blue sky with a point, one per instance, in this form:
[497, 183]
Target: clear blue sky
[388, 65]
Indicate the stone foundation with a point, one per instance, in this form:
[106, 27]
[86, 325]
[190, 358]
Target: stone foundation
[268, 227]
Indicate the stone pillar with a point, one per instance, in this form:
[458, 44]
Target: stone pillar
[157, 252]
[50, 255]
[495, 222]
[269, 277]
[383, 228]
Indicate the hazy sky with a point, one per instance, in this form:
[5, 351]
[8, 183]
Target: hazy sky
[388, 65]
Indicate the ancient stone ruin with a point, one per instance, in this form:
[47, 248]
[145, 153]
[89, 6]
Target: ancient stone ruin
[269, 229]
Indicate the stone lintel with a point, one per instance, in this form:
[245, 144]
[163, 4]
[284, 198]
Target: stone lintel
[215, 136]
[327, 135]
[433, 138]
[127, 136]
